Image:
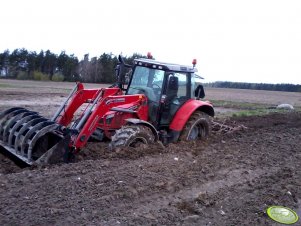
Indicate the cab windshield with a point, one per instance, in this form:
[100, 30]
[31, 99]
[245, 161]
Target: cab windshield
[147, 81]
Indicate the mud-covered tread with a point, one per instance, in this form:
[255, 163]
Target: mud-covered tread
[196, 117]
[126, 135]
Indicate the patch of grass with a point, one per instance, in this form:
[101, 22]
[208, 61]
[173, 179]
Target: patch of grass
[240, 105]
[258, 112]
[244, 109]
[5, 86]
[298, 109]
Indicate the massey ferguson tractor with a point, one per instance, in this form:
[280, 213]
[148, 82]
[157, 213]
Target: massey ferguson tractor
[159, 102]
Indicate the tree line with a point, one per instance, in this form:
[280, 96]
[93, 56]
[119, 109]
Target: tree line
[257, 86]
[45, 65]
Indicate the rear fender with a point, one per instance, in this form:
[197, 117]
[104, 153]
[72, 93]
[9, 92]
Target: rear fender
[144, 123]
[184, 113]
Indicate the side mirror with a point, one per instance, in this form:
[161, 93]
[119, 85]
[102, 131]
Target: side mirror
[128, 76]
[199, 92]
[173, 83]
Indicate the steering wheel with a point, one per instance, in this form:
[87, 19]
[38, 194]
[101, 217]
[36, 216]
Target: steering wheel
[155, 86]
[142, 90]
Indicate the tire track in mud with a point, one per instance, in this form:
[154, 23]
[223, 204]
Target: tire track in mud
[183, 199]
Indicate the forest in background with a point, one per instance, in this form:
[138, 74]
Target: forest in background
[257, 86]
[45, 65]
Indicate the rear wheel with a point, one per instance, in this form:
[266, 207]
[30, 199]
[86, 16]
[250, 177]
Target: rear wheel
[132, 136]
[198, 127]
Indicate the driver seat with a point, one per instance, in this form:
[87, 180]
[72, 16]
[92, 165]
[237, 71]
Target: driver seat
[172, 89]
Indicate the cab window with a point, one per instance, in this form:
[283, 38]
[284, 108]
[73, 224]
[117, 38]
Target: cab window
[147, 81]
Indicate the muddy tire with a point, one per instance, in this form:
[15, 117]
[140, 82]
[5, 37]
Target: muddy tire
[132, 136]
[198, 127]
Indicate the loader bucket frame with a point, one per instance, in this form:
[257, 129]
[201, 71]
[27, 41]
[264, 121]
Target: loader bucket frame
[27, 135]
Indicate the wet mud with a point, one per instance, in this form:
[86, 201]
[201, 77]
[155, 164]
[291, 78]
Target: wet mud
[229, 179]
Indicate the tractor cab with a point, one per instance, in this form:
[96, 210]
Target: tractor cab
[167, 87]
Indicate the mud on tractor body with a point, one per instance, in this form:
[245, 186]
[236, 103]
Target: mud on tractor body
[160, 102]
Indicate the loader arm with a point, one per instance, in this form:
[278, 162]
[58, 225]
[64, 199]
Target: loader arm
[105, 107]
[80, 97]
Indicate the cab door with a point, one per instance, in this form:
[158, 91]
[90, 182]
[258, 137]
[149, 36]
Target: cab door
[148, 81]
[177, 92]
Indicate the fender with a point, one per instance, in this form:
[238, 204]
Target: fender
[187, 109]
[145, 123]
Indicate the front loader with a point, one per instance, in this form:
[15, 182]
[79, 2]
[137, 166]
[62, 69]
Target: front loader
[160, 102]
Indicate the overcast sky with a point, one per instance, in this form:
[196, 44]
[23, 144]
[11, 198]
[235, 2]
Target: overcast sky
[233, 40]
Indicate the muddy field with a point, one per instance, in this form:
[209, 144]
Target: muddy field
[230, 179]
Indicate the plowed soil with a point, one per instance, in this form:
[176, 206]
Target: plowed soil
[229, 179]
[226, 180]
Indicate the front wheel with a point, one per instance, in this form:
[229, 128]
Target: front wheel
[132, 136]
[198, 127]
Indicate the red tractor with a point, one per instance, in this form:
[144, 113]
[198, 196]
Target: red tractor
[161, 102]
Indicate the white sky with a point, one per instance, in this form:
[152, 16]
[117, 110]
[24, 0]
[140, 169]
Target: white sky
[233, 40]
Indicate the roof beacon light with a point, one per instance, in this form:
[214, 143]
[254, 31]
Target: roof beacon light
[149, 55]
[194, 62]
